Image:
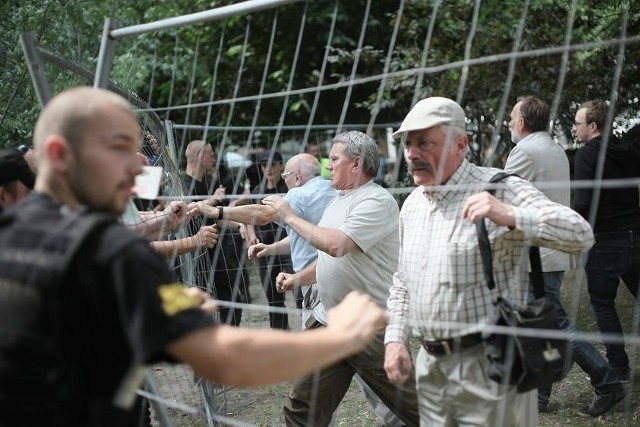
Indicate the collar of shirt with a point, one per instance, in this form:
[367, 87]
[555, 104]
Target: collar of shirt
[441, 194]
[351, 190]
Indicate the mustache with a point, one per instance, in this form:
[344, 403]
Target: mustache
[420, 165]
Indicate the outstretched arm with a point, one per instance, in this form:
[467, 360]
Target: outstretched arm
[243, 357]
[329, 240]
[247, 214]
[279, 247]
[206, 237]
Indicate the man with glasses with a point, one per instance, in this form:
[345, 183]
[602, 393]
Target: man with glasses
[357, 242]
[308, 195]
[539, 159]
[615, 220]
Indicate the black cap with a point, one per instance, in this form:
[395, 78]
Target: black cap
[13, 167]
[263, 158]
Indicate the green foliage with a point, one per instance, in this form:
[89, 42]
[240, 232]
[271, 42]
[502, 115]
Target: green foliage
[174, 67]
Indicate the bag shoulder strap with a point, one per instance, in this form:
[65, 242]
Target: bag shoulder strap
[485, 250]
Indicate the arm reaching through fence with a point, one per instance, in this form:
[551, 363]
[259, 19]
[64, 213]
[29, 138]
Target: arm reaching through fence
[243, 357]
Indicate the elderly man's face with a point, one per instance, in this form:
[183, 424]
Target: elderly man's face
[516, 124]
[343, 170]
[433, 154]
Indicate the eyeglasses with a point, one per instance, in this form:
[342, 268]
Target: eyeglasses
[285, 175]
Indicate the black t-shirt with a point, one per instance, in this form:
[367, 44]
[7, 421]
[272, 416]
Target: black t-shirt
[118, 307]
[271, 232]
[618, 208]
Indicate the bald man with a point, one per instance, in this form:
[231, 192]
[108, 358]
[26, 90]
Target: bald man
[308, 194]
[83, 309]
[230, 281]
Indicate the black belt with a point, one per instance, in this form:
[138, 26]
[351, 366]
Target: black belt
[448, 347]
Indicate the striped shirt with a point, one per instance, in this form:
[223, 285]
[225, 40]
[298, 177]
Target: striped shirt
[439, 288]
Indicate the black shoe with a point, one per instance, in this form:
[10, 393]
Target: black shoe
[543, 407]
[601, 403]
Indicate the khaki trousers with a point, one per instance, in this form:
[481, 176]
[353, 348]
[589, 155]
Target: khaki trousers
[454, 391]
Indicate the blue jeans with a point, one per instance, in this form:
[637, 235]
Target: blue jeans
[603, 378]
[615, 256]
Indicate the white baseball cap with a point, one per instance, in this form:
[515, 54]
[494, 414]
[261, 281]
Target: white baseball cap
[431, 112]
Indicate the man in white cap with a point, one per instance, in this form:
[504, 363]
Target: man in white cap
[439, 289]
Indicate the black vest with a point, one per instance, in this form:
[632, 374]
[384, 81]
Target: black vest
[38, 242]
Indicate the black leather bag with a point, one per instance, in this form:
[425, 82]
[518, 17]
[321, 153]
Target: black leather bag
[522, 357]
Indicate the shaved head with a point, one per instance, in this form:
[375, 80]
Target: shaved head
[72, 112]
[306, 164]
[193, 149]
[86, 142]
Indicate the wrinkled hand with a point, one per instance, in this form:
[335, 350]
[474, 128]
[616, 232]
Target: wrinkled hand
[286, 281]
[193, 210]
[207, 236]
[258, 250]
[205, 209]
[357, 317]
[484, 205]
[281, 206]
[397, 363]
[205, 301]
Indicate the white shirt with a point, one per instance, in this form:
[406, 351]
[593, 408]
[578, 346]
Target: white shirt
[439, 287]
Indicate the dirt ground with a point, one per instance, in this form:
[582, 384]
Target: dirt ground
[263, 406]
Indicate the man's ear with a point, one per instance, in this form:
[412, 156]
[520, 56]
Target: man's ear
[461, 143]
[57, 151]
[357, 161]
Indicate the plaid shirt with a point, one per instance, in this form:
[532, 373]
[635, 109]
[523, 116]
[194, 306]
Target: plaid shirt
[439, 288]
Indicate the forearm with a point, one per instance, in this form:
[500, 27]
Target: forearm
[307, 276]
[247, 214]
[243, 357]
[552, 225]
[281, 247]
[329, 240]
[172, 248]
[398, 309]
[153, 225]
